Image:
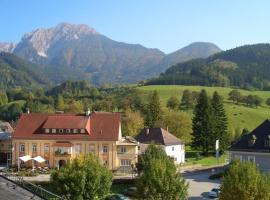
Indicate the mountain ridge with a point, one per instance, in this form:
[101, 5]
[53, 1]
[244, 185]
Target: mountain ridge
[101, 59]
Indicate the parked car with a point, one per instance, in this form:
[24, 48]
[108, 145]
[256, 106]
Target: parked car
[116, 197]
[214, 193]
[131, 191]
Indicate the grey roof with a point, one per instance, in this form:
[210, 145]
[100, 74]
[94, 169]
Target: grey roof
[158, 136]
[5, 136]
[261, 134]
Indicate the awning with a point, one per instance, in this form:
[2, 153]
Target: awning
[39, 159]
[62, 144]
[25, 158]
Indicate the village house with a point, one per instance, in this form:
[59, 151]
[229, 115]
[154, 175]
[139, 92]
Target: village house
[58, 138]
[254, 147]
[173, 146]
[6, 131]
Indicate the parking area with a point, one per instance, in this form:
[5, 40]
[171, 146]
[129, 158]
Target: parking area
[199, 184]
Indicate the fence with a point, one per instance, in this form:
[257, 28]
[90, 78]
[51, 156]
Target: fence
[34, 189]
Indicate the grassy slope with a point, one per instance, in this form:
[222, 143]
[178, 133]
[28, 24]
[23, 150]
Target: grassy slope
[239, 116]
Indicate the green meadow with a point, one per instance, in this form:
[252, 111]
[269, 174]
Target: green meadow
[239, 116]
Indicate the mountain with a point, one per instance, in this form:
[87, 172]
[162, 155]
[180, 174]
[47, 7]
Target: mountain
[79, 52]
[82, 48]
[246, 67]
[6, 47]
[16, 72]
[192, 51]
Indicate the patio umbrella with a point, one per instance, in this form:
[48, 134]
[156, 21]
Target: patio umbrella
[39, 159]
[25, 158]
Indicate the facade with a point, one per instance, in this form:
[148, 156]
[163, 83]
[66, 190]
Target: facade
[59, 138]
[5, 142]
[173, 146]
[254, 147]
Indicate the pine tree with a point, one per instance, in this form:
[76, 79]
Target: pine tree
[153, 110]
[220, 122]
[202, 124]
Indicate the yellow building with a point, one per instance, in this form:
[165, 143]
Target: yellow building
[60, 137]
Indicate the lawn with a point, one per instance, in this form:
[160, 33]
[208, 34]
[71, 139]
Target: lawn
[239, 116]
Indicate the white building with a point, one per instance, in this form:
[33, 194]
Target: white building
[173, 146]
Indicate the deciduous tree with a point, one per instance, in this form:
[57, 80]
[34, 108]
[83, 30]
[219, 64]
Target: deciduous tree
[159, 179]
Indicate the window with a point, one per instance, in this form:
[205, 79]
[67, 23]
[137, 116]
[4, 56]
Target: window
[22, 148]
[139, 148]
[78, 148]
[251, 159]
[68, 131]
[267, 141]
[34, 148]
[75, 130]
[46, 148]
[91, 148]
[105, 149]
[123, 150]
[47, 162]
[238, 157]
[82, 131]
[125, 162]
[61, 131]
[10, 146]
[53, 130]
[47, 130]
[172, 148]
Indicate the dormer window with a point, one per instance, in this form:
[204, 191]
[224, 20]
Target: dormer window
[82, 130]
[252, 140]
[47, 130]
[75, 130]
[53, 130]
[68, 131]
[61, 131]
[267, 141]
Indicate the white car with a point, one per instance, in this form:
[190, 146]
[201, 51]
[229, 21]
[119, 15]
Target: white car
[214, 192]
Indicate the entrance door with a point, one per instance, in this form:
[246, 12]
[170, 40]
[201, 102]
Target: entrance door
[62, 163]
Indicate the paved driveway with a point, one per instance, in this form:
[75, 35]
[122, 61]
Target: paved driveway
[199, 184]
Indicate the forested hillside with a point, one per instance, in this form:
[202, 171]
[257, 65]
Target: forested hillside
[245, 67]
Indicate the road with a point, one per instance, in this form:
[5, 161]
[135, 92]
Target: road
[8, 191]
[199, 184]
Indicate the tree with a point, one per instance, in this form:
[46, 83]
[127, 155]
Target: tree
[235, 96]
[159, 179]
[98, 178]
[173, 102]
[187, 99]
[60, 103]
[153, 109]
[178, 123]
[85, 177]
[220, 122]
[202, 124]
[243, 181]
[132, 122]
[69, 181]
[3, 98]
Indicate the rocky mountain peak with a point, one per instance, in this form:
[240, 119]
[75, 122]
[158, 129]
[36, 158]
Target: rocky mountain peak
[6, 47]
[41, 39]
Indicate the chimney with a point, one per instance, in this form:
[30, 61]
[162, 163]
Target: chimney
[87, 113]
[147, 131]
[27, 110]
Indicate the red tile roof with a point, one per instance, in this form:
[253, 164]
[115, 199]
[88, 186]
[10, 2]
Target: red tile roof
[99, 126]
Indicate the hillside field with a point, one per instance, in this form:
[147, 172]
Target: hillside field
[239, 116]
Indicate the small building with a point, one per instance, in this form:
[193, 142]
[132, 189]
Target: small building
[59, 138]
[254, 147]
[172, 145]
[6, 131]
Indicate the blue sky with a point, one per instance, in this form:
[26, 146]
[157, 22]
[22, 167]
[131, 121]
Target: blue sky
[164, 24]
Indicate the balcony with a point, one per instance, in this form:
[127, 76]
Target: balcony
[62, 152]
